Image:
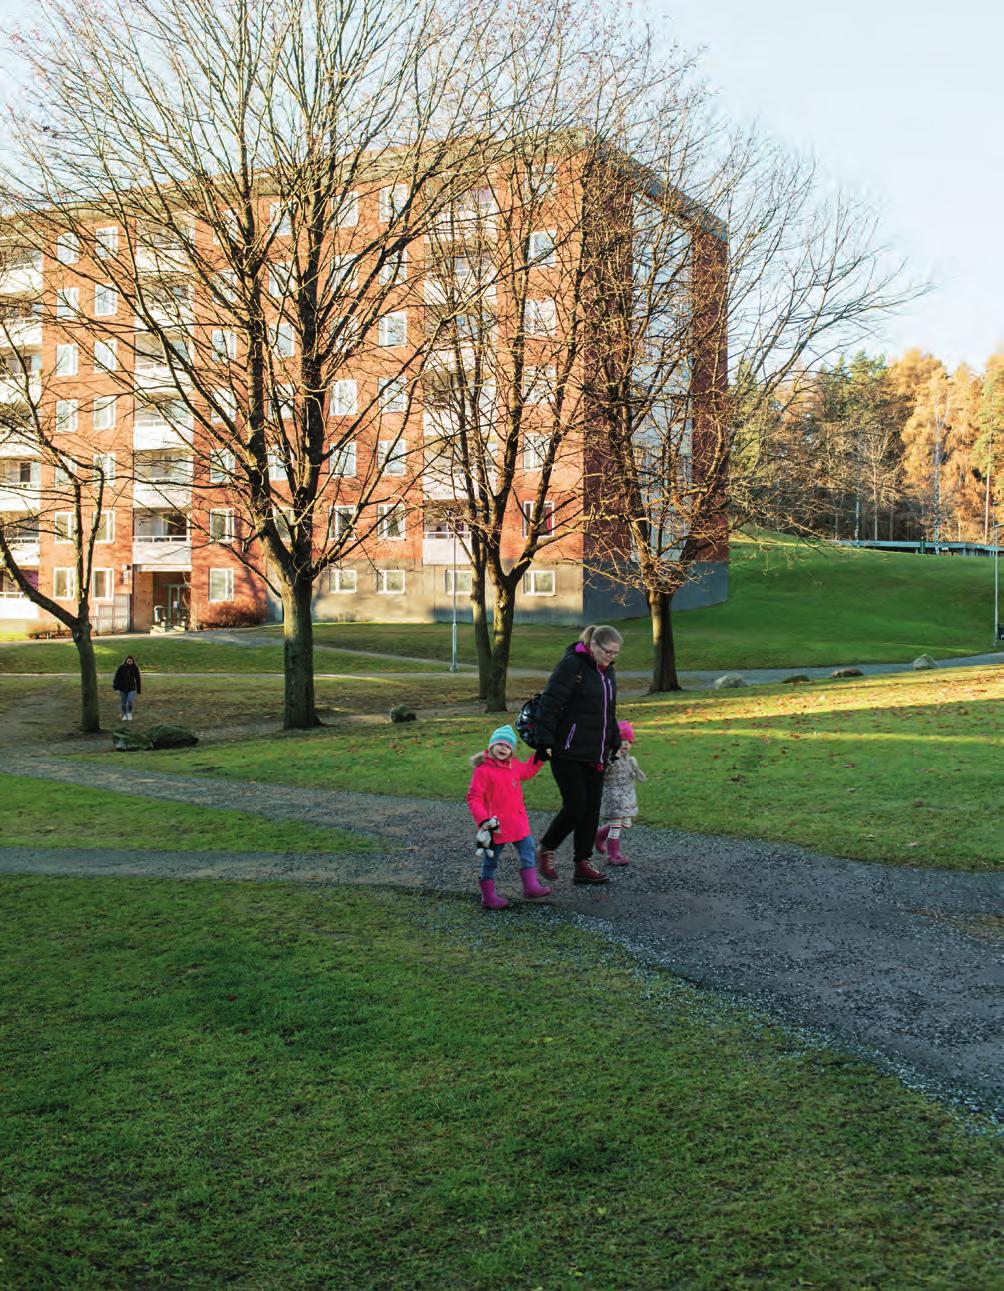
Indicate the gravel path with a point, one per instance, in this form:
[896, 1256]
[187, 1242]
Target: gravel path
[870, 956]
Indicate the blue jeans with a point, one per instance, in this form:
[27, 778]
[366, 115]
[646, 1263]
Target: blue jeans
[526, 850]
[126, 698]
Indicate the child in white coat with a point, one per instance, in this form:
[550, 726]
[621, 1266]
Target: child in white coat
[620, 799]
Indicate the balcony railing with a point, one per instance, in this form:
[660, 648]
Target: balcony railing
[164, 551]
[23, 278]
[152, 432]
[15, 606]
[22, 498]
[163, 493]
[16, 391]
[23, 333]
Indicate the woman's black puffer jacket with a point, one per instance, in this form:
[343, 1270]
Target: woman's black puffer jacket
[577, 713]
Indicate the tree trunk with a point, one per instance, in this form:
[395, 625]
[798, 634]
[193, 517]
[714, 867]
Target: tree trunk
[299, 712]
[660, 608]
[498, 673]
[482, 638]
[90, 716]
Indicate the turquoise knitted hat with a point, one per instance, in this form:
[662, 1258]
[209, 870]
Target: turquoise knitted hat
[503, 735]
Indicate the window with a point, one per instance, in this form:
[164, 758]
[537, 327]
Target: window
[547, 521]
[343, 460]
[63, 526]
[344, 273]
[342, 523]
[395, 267]
[534, 451]
[283, 341]
[64, 584]
[541, 317]
[283, 406]
[104, 467]
[390, 523]
[344, 399]
[67, 302]
[224, 406]
[102, 584]
[59, 477]
[224, 345]
[276, 470]
[464, 581]
[221, 465]
[105, 531]
[342, 580]
[348, 215]
[390, 582]
[539, 582]
[67, 248]
[226, 286]
[279, 279]
[66, 415]
[66, 360]
[393, 200]
[221, 527]
[221, 585]
[540, 250]
[539, 384]
[390, 455]
[393, 394]
[106, 300]
[393, 329]
[230, 226]
[106, 357]
[106, 242]
[540, 180]
[279, 219]
[103, 414]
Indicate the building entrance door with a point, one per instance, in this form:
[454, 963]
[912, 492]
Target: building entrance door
[178, 604]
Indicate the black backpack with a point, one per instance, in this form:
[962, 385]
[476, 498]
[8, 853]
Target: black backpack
[526, 719]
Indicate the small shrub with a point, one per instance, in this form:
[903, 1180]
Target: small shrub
[847, 672]
[729, 681]
[402, 713]
[923, 662]
[164, 735]
[242, 612]
[47, 631]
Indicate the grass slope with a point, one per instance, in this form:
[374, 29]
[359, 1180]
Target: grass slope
[263, 1086]
[37, 813]
[901, 768]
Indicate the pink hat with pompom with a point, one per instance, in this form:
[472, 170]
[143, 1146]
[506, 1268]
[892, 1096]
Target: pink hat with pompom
[627, 732]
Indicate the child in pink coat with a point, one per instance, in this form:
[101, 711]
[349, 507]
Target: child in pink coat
[495, 798]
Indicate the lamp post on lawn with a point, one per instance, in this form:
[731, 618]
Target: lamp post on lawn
[453, 646]
[997, 552]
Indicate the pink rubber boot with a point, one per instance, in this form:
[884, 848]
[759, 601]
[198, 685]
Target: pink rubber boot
[601, 840]
[490, 899]
[614, 855]
[532, 886]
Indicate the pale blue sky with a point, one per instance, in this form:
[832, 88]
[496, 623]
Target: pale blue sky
[902, 100]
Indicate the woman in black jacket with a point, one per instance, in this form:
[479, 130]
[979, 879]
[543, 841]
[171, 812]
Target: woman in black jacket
[127, 682]
[576, 727]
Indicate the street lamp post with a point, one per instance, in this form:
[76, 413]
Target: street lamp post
[997, 552]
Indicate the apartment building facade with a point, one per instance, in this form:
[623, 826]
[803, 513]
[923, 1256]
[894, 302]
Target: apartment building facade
[175, 544]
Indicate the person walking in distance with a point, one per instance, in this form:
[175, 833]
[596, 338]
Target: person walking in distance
[576, 728]
[128, 683]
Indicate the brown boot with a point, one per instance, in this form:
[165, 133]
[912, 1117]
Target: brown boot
[586, 872]
[545, 863]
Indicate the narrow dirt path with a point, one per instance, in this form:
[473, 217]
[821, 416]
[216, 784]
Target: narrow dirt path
[873, 957]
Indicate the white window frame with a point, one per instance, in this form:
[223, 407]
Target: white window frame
[526, 507]
[106, 241]
[278, 288]
[105, 528]
[66, 360]
[392, 394]
[465, 580]
[108, 577]
[276, 468]
[392, 329]
[535, 448]
[344, 461]
[279, 220]
[284, 340]
[343, 581]
[67, 302]
[348, 216]
[394, 268]
[221, 465]
[541, 316]
[224, 401]
[68, 577]
[539, 383]
[534, 582]
[382, 577]
[535, 257]
[64, 527]
[106, 358]
[105, 462]
[228, 585]
[228, 527]
[393, 200]
[343, 521]
[104, 411]
[224, 345]
[387, 513]
[67, 248]
[391, 455]
[106, 296]
[66, 416]
[344, 398]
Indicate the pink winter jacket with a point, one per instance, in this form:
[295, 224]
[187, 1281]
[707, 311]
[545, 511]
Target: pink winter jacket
[495, 791]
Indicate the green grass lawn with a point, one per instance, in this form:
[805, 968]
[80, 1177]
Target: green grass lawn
[38, 813]
[902, 768]
[264, 1086]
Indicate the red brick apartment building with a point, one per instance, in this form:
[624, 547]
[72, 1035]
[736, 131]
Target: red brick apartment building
[164, 551]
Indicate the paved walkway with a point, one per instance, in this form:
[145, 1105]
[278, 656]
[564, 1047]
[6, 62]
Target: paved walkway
[866, 955]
